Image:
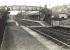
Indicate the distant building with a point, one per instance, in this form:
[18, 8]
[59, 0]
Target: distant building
[57, 18]
[55, 21]
[63, 15]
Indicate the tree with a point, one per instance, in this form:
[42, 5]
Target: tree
[47, 12]
[3, 17]
[4, 11]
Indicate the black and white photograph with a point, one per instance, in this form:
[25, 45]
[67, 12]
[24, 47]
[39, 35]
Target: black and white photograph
[34, 24]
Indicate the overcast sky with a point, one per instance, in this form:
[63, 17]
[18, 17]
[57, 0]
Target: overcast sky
[50, 3]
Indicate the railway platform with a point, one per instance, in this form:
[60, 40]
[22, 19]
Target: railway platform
[16, 38]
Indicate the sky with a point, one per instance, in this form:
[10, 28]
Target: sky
[50, 3]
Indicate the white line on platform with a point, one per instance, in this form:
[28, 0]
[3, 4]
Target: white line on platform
[42, 23]
[30, 20]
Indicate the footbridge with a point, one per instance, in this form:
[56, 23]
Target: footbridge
[24, 8]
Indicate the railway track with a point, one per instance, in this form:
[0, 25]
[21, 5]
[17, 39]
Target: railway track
[56, 36]
[29, 23]
[59, 37]
[62, 29]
